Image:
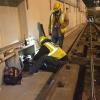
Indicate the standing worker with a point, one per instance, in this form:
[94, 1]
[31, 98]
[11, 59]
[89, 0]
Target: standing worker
[57, 24]
[49, 56]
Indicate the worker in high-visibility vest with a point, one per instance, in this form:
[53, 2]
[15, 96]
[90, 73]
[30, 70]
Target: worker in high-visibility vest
[57, 24]
[49, 56]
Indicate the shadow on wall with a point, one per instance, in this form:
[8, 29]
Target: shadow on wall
[40, 29]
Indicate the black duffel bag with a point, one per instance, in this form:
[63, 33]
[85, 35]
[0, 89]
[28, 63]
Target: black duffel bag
[12, 76]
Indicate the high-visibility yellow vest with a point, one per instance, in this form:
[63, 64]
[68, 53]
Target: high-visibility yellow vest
[63, 27]
[56, 52]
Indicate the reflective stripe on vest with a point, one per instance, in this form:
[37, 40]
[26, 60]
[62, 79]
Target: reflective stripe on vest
[56, 52]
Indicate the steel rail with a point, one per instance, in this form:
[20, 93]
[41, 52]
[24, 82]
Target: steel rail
[93, 97]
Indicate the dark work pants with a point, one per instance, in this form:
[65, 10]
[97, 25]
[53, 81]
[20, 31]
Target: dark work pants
[49, 63]
[56, 38]
[61, 39]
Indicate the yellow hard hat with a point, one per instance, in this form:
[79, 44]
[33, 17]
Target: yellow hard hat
[57, 6]
[42, 38]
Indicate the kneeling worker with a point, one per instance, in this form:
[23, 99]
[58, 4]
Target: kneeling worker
[49, 56]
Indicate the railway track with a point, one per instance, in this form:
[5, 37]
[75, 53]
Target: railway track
[70, 82]
[86, 54]
[65, 80]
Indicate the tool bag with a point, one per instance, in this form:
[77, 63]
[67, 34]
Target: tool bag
[12, 76]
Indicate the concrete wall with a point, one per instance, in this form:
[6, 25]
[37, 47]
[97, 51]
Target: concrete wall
[33, 16]
[0, 39]
[9, 25]
[21, 22]
[38, 11]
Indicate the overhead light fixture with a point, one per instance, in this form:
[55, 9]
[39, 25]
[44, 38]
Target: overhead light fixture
[98, 1]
